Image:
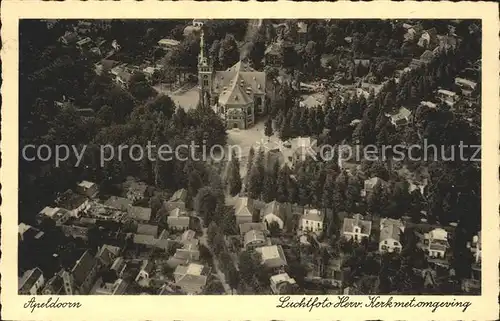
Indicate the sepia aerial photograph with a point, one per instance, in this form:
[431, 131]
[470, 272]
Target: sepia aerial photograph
[249, 157]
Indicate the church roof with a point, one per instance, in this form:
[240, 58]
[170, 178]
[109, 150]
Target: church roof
[252, 79]
[237, 93]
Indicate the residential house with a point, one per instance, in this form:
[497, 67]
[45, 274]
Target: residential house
[467, 86]
[59, 215]
[312, 220]
[273, 55]
[429, 104]
[412, 32]
[84, 273]
[146, 240]
[447, 96]
[390, 235]
[333, 271]
[168, 43]
[147, 229]
[302, 31]
[401, 118]
[356, 228]
[123, 78]
[75, 203]
[178, 200]
[31, 282]
[273, 212]
[427, 56]
[310, 102]
[370, 185]
[139, 214]
[22, 229]
[178, 220]
[119, 203]
[273, 256]
[278, 281]
[55, 285]
[84, 43]
[254, 239]
[110, 288]
[188, 253]
[78, 227]
[244, 210]
[475, 247]
[191, 278]
[144, 273]
[246, 227]
[436, 243]
[88, 189]
[429, 38]
[118, 266]
[107, 254]
[69, 38]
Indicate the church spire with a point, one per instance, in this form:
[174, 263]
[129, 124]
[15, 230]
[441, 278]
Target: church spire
[202, 45]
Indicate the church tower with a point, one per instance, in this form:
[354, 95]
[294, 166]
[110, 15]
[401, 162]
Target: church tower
[204, 74]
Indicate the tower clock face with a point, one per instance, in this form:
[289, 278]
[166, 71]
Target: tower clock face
[205, 76]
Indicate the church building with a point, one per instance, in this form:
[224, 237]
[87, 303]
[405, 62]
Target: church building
[237, 95]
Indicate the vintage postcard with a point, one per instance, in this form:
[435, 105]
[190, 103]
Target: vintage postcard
[250, 161]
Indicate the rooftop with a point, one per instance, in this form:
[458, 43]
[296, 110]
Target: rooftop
[358, 221]
[312, 214]
[86, 184]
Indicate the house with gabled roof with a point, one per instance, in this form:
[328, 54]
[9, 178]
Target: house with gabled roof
[31, 282]
[356, 228]
[244, 210]
[191, 278]
[312, 220]
[139, 214]
[110, 288]
[87, 188]
[390, 235]
[178, 220]
[273, 256]
[55, 285]
[147, 229]
[401, 118]
[370, 185]
[273, 212]
[107, 254]
[120, 203]
[253, 239]
[84, 273]
[246, 227]
[178, 200]
[278, 281]
[429, 38]
[436, 243]
[144, 273]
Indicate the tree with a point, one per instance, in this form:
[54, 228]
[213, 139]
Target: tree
[139, 87]
[234, 179]
[214, 54]
[214, 287]
[228, 53]
[205, 204]
[256, 179]
[269, 127]
[249, 265]
[270, 183]
[163, 104]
